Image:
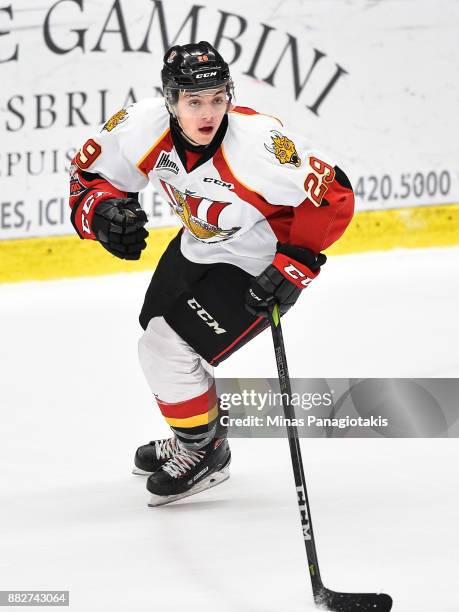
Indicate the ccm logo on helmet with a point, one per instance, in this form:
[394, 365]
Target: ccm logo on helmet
[205, 316]
[297, 275]
[205, 75]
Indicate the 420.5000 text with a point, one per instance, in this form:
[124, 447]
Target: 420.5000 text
[373, 188]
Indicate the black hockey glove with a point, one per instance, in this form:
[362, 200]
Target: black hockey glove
[118, 224]
[291, 271]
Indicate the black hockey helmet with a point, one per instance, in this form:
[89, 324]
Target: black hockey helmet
[194, 67]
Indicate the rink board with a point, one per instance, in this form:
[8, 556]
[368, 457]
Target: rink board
[68, 256]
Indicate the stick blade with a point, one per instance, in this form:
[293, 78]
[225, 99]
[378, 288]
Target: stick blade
[353, 602]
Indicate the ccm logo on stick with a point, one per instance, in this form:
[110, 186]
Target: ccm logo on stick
[305, 522]
[205, 316]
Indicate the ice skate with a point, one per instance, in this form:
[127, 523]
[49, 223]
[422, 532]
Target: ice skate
[150, 457]
[189, 472]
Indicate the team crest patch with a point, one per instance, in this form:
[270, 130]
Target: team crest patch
[198, 214]
[115, 120]
[284, 149]
[75, 186]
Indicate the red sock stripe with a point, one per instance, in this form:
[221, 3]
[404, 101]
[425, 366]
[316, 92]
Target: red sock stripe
[189, 408]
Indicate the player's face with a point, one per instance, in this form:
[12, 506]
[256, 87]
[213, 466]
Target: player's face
[200, 113]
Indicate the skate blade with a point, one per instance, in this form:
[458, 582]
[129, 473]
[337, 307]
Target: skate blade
[211, 481]
[136, 470]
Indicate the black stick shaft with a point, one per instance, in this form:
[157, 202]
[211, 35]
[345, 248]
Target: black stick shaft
[295, 451]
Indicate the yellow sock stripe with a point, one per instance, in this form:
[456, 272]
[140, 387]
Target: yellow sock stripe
[68, 256]
[194, 421]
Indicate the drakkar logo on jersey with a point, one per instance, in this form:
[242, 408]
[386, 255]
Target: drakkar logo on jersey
[199, 214]
[284, 149]
[115, 120]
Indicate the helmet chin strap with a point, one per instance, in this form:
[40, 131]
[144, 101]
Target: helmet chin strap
[185, 135]
[175, 117]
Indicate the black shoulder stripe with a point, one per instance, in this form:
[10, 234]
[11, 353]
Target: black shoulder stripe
[341, 178]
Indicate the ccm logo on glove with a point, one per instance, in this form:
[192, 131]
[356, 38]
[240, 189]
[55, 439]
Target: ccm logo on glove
[297, 273]
[86, 209]
[291, 271]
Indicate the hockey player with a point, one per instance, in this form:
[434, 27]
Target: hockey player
[257, 206]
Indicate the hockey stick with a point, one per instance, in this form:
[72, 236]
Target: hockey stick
[331, 600]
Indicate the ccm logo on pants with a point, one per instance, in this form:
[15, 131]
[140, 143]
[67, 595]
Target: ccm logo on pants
[205, 316]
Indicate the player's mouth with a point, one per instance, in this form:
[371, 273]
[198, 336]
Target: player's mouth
[207, 129]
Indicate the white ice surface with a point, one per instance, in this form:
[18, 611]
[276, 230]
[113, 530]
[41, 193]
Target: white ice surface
[74, 406]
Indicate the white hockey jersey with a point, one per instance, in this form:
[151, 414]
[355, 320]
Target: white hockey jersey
[261, 185]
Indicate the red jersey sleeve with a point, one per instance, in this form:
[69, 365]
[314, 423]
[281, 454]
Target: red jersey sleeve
[87, 190]
[316, 226]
